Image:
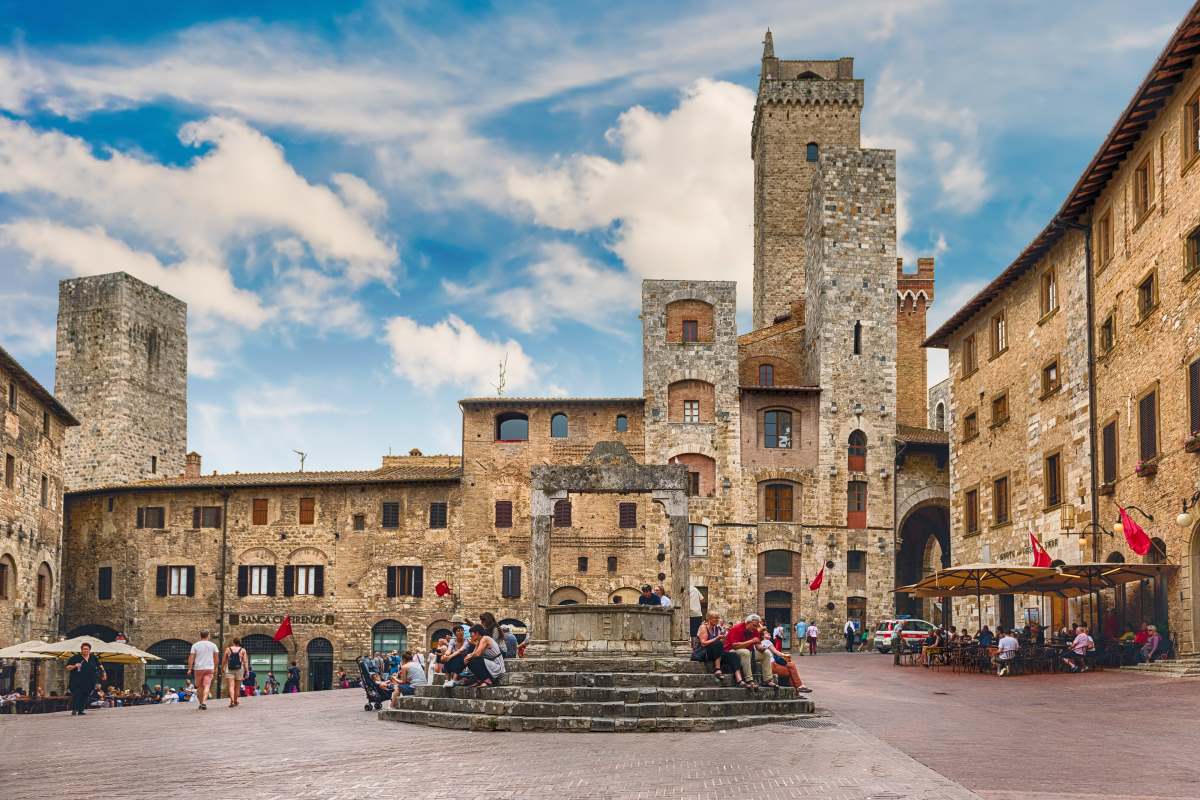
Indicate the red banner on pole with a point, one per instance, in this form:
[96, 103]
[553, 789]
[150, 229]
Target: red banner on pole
[285, 629]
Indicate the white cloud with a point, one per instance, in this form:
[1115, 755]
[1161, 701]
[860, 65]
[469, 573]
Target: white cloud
[319, 301]
[26, 326]
[452, 352]
[280, 402]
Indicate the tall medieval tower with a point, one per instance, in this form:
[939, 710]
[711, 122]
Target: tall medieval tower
[122, 370]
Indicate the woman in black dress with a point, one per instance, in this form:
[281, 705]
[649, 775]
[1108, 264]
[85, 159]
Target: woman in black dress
[85, 672]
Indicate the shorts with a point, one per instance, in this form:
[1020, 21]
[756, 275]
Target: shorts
[203, 678]
[236, 673]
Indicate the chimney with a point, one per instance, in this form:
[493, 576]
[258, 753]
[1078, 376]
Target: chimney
[192, 465]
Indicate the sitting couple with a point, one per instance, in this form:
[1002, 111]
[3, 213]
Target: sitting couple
[731, 651]
[480, 655]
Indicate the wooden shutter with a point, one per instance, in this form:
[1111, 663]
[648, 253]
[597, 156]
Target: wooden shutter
[512, 582]
[391, 581]
[260, 511]
[319, 581]
[1148, 427]
[503, 513]
[160, 580]
[196, 516]
[1194, 396]
[289, 580]
[1109, 447]
[418, 581]
[141, 517]
[271, 580]
[243, 580]
[562, 514]
[191, 581]
[627, 515]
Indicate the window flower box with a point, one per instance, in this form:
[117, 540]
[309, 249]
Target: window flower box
[1192, 443]
[1106, 488]
[1146, 468]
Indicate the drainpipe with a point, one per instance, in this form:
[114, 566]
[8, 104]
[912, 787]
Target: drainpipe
[896, 527]
[224, 574]
[1086, 230]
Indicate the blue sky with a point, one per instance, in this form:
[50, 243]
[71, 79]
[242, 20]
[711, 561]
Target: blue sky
[367, 206]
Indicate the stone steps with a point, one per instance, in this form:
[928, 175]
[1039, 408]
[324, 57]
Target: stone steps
[586, 694]
[606, 664]
[523, 708]
[1180, 668]
[574, 724]
[614, 679]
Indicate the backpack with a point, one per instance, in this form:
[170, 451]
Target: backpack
[235, 659]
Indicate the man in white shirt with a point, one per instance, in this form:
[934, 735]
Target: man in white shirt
[203, 662]
[812, 633]
[851, 634]
[1007, 650]
[695, 608]
[1077, 657]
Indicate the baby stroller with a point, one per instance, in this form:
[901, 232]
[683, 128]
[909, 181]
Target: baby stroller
[376, 697]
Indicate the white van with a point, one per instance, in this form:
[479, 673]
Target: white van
[912, 631]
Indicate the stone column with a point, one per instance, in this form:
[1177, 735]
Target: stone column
[675, 503]
[542, 511]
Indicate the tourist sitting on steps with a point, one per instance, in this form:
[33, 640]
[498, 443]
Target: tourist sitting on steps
[742, 640]
[453, 658]
[712, 648]
[486, 659]
[782, 666]
[410, 675]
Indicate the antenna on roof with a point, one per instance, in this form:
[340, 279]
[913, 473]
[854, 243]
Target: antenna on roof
[302, 457]
[503, 370]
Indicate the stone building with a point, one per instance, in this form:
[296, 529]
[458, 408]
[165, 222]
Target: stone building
[31, 509]
[1089, 343]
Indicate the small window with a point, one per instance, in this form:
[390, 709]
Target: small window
[1052, 475]
[1000, 409]
[691, 330]
[512, 427]
[698, 535]
[206, 517]
[1191, 255]
[1108, 449]
[558, 426]
[111, 503]
[858, 338]
[612, 563]
[1143, 188]
[510, 582]
[856, 452]
[971, 510]
[777, 563]
[1194, 397]
[503, 513]
[1051, 380]
[693, 484]
[1049, 292]
[1191, 128]
[969, 363]
[437, 515]
[406, 581]
[856, 561]
[1147, 296]
[46, 423]
[562, 514]
[359, 522]
[1104, 239]
[999, 333]
[777, 502]
[939, 416]
[970, 426]
[104, 586]
[583, 564]
[152, 517]
[12, 395]
[622, 423]
[3, 580]
[856, 504]
[44, 499]
[691, 410]
[777, 429]
[1108, 333]
[1000, 501]
[308, 510]
[766, 375]
[811, 151]
[258, 514]
[43, 590]
[154, 464]
[627, 515]
[1148, 427]
[389, 515]
[10, 471]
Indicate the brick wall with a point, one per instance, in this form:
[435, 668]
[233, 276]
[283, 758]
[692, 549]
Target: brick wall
[697, 310]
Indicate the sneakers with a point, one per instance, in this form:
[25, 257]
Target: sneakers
[1003, 671]
[450, 684]
[203, 707]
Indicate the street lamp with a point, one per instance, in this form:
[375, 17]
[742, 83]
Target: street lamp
[1185, 518]
[1091, 529]
[1119, 527]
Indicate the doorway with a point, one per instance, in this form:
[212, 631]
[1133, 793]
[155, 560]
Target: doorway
[778, 611]
[320, 665]
[1008, 613]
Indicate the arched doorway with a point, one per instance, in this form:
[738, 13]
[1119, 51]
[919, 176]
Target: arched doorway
[567, 596]
[172, 670]
[437, 629]
[320, 665]
[1194, 569]
[517, 627]
[266, 656]
[116, 672]
[777, 610]
[924, 548]
[388, 635]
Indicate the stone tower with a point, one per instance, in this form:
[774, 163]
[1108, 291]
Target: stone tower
[122, 369]
[802, 108]
[914, 294]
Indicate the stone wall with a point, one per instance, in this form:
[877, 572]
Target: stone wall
[914, 294]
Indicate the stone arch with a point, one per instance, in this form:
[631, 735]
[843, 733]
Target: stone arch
[568, 596]
[925, 519]
[701, 311]
[681, 391]
[101, 632]
[308, 555]
[257, 555]
[438, 628]
[626, 594]
[932, 494]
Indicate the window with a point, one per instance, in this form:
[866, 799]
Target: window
[971, 510]
[1194, 396]
[693, 484]
[510, 582]
[12, 395]
[304, 580]
[257, 580]
[1051, 381]
[151, 517]
[1148, 426]
[1000, 409]
[766, 375]
[583, 563]
[1052, 473]
[691, 330]
[858, 338]
[969, 364]
[1108, 333]
[389, 516]
[4, 573]
[627, 515]
[175, 581]
[999, 334]
[856, 452]
[258, 513]
[503, 513]
[1191, 252]
[405, 581]
[1049, 292]
[691, 410]
[104, 583]
[43, 587]
[44, 499]
[939, 417]
[206, 517]
[512, 426]
[111, 503]
[777, 502]
[1104, 239]
[1108, 449]
[386, 636]
[46, 422]
[970, 426]
[777, 563]
[359, 522]
[698, 536]
[1191, 128]
[856, 561]
[308, 510]
[558, 426]
[1143, 189]
[612, 563]
[1000, 501]
[10, 470]
[856, 504]
[154, 464]
[811, 151]
[437, 515]
[562, 514]
[622, 423]
[777, 429]
[1147, 295]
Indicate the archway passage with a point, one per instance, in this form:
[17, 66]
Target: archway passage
[266, 656]
[172, 670]
[388, 635]
[924, 548]
[320, 665]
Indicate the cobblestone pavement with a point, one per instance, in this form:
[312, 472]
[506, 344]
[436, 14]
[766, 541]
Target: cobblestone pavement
[1107, 734]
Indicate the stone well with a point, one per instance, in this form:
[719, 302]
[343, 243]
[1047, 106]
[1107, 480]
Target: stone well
[606, 629]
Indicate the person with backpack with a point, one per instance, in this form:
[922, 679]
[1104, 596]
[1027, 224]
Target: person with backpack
[234, 664]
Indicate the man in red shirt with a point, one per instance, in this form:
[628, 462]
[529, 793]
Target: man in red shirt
[742, 640]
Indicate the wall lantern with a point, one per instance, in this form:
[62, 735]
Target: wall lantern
[726, 550]
[726, 484]
[858, 409]
[833, 407]
[1186, 517]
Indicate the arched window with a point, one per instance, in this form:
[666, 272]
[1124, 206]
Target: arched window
[562, 514]
[856, 452]
[939, 416]
[44, 585]
[777, 502]
[172, 670]
[567, 596]
[8, 578]
[766, 375]
[266, 655]
[512, 426]
[386, 635]
[622, 423]
[558, 426]
[516, 627]
[1115, 558]
[777, 429]
[858, 338]
[320, 664]
[812, 151]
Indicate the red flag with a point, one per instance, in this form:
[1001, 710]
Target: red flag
[285, 629]
[817, 581]
[442, 589]
[1138, 541]
[1040, 557]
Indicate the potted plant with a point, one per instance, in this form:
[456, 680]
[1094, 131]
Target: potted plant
[1146, 468]
[1192, 443]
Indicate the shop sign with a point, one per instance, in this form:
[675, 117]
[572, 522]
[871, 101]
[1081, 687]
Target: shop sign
[277, 619]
